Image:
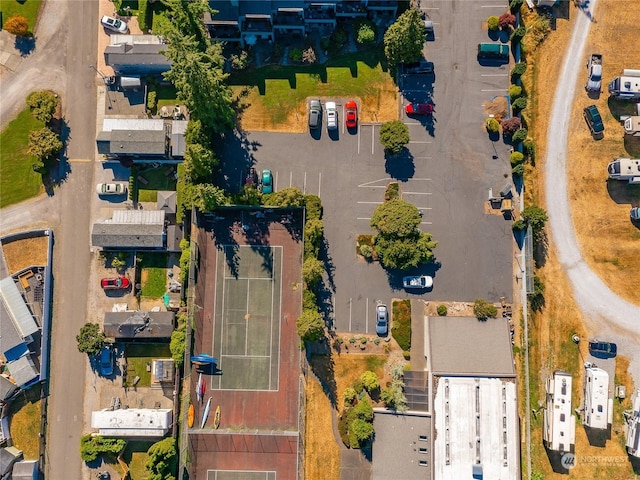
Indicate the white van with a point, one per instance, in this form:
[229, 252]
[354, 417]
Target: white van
[332, 115]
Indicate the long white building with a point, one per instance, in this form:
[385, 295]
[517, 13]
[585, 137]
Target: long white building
[132, 422]
[559, 425]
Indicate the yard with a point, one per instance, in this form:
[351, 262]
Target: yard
[139, 358]
[26, 8]
[135, 456]
[26, 414]
[153, 275]
[274, 97]
[158, 179]
[18, 181]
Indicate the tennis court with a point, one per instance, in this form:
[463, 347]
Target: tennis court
[246, 323]
[239, 475]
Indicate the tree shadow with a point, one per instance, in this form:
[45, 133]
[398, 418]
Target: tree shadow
[323, 368]
[25, 45]
[240, 151]
[400, 166]
[329, 267]
[58, 171]
[622, 192]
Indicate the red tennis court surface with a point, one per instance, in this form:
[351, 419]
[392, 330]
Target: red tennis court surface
[258, 427]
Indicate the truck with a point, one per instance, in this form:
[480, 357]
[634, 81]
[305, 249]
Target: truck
[594, 69]
[626, 86]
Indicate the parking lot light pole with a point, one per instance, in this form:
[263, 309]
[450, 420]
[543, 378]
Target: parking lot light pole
[104, 79]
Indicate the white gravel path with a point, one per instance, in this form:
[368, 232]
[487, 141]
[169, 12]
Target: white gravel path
[608, 315]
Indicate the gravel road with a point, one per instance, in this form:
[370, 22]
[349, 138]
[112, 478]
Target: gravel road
[608, 315]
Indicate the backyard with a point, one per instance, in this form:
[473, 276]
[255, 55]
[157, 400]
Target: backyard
[18, 181]
[26, 414]
[27, 8]
[139, 358]
[135, 456]
[274, 98]
[153, 275]
[161, 178]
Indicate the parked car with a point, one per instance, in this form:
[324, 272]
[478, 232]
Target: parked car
[635, 213]
[111, 188]
[417, 282]
[106, 360]
[428, 28]
[114, 24]
[594, 69]
[117, 283]
[382, 320]
[419, 109]
[594, 121]
[422, 66]
[315, 114]
[351, 114]
[251, 178]
[332, 115]
[493, 51]
[602, 349]
[267, 181]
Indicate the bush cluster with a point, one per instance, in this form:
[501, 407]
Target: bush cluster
[519, 69]
[356, 422]
[510, 126]
[519, 104]
[483, 309]
[493, 23]
[366, 31]
[518, 34]
[442, 310]
[493, 126]
[91, 447]
[519, 136]
[392, 191]
[507, 21]
[43, 105]
[515, 91]
[401, 329]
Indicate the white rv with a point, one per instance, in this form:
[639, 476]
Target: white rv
[625, 169]
[596, 398]
[559, 425]
[626, 86]
[633, 426]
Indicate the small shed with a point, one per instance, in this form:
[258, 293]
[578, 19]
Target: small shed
[25, 470]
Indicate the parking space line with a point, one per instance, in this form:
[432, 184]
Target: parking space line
[372, 203]
[359, 141]
[412, 123]
[275, 184]
[319, 184]
[350, 314]
[373, 138]
[417, 193]
[427, 179]
[366, 322]
[363, 218]
[426, 223]
[367, 184]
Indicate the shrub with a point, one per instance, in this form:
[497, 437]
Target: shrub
[519, 225]
[366, 32]
[493, 23]
[376, 341]
[536, 299]
[185, 258]
[515, 5]
[370, 381]
[177, 344]
[529, 147]
[518, 33]
[401, 329]
[152, 100]
[519, 135]
[493, 126]
[406, 354]
[43, 105]
[442, 310]
[119, 261]
[91, 447]
[352, 340]
[132, 185]
[313, 206]
[392, 191]
[44, 144]
[358, 386]
[519, 104]
[394, 135]
[515, 91]
[240, 62]
[363, 340]
[516, 158]
[506, 21]
[366, 251]
[336, 41]
[17, 25]
[519, 69]
[309, 300]
[312, 270]
[343, 427]
[536, 217]
[295, 54]
[310, 325]
[349, 395]
[483, 309]
[510, 126]
[518, 170]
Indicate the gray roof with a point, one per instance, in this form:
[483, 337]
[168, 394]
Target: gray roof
[178, 144]
[9, 337]
[110, 235]
[136, 54]
[174, 236]
[397, 446]
[132, 142]
[7, 387]
[129, 325]
[4, 271]
[167, 201]
[14, 304]
[25, 470]
[468, 346]
[8, 456]
[23, 371]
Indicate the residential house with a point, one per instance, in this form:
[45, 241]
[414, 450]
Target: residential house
[597, 412]
[131, 230]
[559, 424]
[463, 419]
[132, 422]
[139, 326]
[146, 140]
[8, 457]
[137, 55]
[625, 169]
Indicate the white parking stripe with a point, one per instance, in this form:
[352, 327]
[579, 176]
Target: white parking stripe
[371, 203]
[290, 179]
[368, 184]
[363, 218]
[319, 184]
[373, 137]
[304, 184]
[417, 193]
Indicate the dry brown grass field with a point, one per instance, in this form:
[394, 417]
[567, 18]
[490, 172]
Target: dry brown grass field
[24, 253]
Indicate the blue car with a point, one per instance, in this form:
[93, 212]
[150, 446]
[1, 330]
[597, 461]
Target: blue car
[106, 361]
[267, 181]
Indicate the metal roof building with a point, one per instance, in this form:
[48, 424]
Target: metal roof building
[143, 229]
[17, 308]
[132, 422]
[138, 325]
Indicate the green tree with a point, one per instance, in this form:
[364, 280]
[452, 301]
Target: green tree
[359, 432]
[287, 197]
[370, 381]
[177, 344]
[483, 309]
[185, 259]
[363, 410]
[92, 446]
[536, 299]
[394, 136]
[208, 197]
[312, 270]
[536, 217]
[199, 162]
[43, 105]
[310, 325]
[17, 25]
[366, 32]
[44, 144]
[90, 339]
[404, 39]
[163, 458]
[313, 234]
[395, 219]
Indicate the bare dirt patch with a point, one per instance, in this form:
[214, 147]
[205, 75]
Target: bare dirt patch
[498, 107]
[24, 253]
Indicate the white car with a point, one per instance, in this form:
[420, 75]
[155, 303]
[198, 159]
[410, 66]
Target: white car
[114, 24]
[332, 115]
[111, 188]
[418, 281]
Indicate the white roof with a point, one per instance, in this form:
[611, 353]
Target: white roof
[132, 422]
[152, 124]
[118, 39]
[17, 308]
[137, 217]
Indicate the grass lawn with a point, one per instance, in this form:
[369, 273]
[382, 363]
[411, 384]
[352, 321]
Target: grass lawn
[276, 96]
[135, 455]
[158, 180]
[18, 181]
[28, 9]
[25, 423]
[138, 356]
[154, 274]
[166, 95]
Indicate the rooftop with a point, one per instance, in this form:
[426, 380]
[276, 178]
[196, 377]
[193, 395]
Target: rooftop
[138, 325]
[132, 422]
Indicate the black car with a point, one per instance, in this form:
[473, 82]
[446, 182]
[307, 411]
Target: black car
[594, 121]
[418, 67]
[602, 349]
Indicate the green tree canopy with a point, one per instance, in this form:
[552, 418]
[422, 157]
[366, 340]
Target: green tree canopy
[44, 144]
[370, 380]
[163, 459]
[359, 432]
[43, 105]
[287, 197]
[312, 270]
[199, 162]
[310, 325]
[177, 344]
[404, 39]
[536, 217]
[395, 219]
[483, 309]
[394, 136]
[91, 447]
[90, 339]
[208, 197]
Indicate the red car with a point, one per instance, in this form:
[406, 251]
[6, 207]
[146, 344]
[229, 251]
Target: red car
[419, 109]
[351, 117]
[118, 283]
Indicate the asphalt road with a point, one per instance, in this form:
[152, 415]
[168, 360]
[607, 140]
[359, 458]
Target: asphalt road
[608, 316]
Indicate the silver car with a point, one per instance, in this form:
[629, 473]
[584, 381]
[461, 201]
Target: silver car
[315, 114]
[332, 115]
[111, 188]
[382, 320]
